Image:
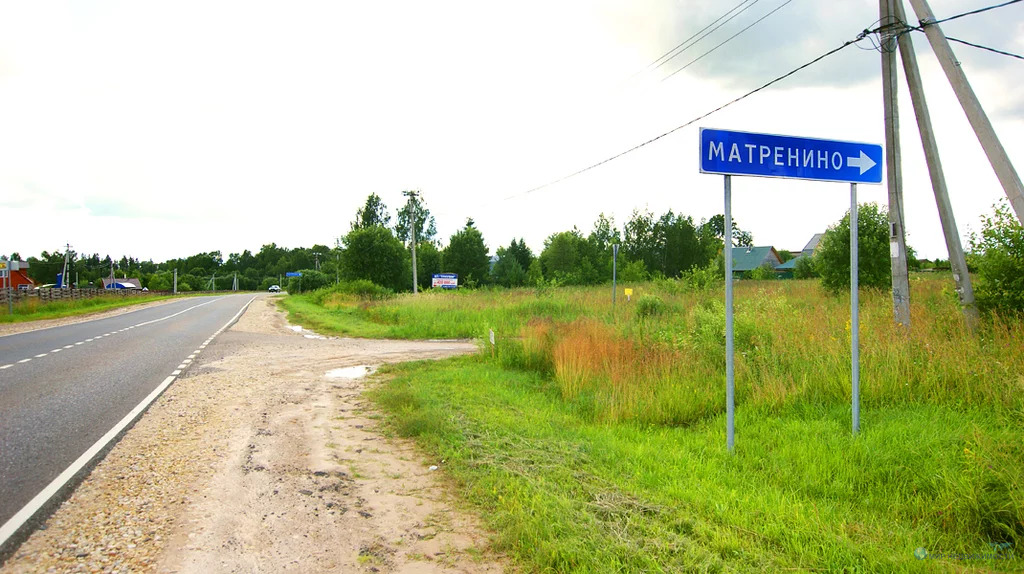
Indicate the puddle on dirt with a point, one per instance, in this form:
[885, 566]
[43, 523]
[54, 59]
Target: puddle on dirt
[306, 332]
[349, 373]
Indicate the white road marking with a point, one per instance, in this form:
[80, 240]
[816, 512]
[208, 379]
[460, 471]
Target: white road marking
[56, 350]
[6, 366]
[41, 355]
[176, 373]
[89, 340]
[38, 501]
[80, 343]
[24, 361]
[68, 346]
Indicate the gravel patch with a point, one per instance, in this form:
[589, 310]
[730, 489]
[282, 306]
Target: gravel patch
[257, 461]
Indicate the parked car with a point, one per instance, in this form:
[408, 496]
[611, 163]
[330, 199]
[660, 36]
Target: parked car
[275, 289]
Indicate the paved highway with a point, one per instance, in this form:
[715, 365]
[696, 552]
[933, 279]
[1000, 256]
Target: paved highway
[62, 389]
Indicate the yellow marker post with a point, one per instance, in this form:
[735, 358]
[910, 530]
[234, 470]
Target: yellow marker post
[629, 293]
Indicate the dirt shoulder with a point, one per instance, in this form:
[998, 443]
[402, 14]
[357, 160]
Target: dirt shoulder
[259, 460]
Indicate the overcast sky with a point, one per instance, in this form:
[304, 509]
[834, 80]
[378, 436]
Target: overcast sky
[159, 130]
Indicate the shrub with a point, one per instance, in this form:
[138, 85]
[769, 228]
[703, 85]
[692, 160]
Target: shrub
[634, 272]
[998, 257]
[373, 253]
[832, 261]
[703, 278]
[311, 280]
[361, 288]
[649, 306]
[762, 273]
[804, 268]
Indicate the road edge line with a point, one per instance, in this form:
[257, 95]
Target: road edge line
[22, 517]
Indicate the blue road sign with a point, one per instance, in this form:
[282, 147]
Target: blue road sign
[766, 155]
[293, 274]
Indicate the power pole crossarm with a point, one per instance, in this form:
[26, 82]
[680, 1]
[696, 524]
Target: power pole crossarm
[994, 150]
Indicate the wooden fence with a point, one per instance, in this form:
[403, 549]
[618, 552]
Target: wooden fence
[47, 295]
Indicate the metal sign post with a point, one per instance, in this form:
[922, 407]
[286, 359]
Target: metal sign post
[854, 311]
[5, 268]
[765, 155]
[615, 256]
[730, 391]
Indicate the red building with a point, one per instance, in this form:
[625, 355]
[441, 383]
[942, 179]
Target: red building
[19, 279]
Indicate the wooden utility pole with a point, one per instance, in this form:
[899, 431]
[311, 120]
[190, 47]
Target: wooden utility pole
[994, 150]
[413, 197]
[931, 154]
[897, 236]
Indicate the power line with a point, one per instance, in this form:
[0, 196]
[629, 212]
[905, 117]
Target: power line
[703, 33]
[966, 43]
[727, 40]
[973, 12]
[961, 15]
[860, 37]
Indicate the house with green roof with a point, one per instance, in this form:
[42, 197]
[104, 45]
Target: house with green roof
[746, 259]
[786, 270]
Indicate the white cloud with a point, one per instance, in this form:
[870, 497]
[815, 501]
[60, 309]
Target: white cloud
[226, 125]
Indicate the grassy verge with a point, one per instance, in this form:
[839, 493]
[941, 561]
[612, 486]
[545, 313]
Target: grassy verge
[592, 439]
[436, 314]
[34, 310]
[568, 494]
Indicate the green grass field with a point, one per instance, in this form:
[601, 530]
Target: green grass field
[35, 310]
[595, 442]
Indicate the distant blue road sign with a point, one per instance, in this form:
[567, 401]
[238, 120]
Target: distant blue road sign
[293, 274]
[765, 155]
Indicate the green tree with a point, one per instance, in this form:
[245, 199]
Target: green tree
[740, 238]
[311, 280]
[633, 272]
[161, 282]
[428, 262]
[373, 213]
[534, 275]
[560, 258]
[521, 252]
[998, 257]
[466, 255]
[426, 228]
[640, 242]
[605, 234]
[375, 254]
[599, 247]
[507, 271]
[832, 259]
[804, 268]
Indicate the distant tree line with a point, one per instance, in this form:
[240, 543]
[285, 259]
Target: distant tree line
[650, 247]
[374, 249]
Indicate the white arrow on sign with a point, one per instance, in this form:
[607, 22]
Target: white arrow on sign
[863, 162]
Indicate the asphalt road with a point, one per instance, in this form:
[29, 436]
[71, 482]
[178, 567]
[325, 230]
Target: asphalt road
[63, 388]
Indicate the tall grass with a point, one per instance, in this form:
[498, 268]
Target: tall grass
[659, 359]
[32, 309]
[593, 438]
[792, 346]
